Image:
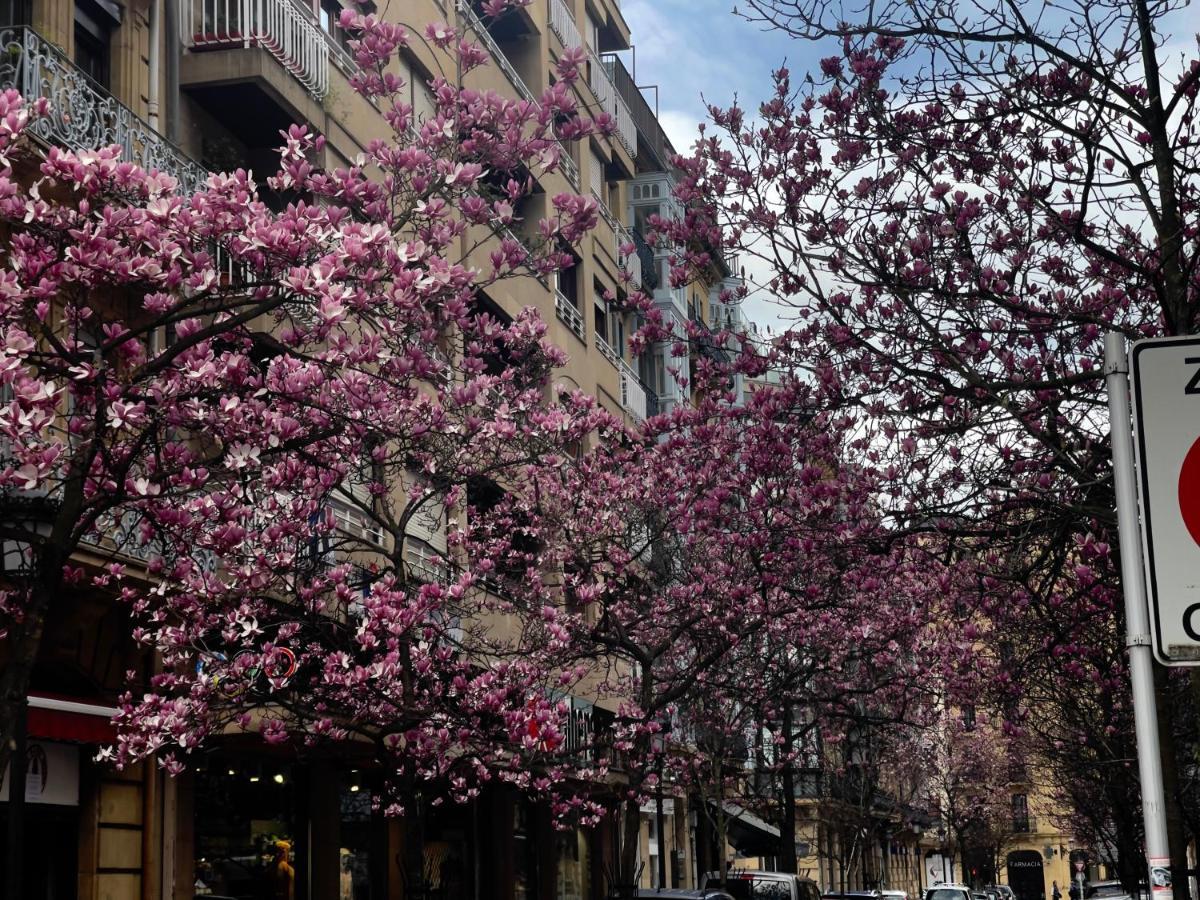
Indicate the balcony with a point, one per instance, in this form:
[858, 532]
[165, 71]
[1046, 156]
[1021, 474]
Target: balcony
[632, 262]
[83, 115]
[468, 15]
[562, 23]
[645, 255]
[607, 351]
[655, 150]
[633, 393]
[612, 102]
[1024, 825]
[282, 28]
[570, 316]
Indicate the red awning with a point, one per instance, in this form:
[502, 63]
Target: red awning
[70, 719]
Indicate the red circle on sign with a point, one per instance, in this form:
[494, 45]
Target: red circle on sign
[1189, 491]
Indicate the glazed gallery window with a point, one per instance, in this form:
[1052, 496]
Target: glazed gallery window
[574, 875]
[247, 823]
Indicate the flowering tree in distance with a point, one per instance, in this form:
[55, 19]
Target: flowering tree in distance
[257, 406]
[959, 204]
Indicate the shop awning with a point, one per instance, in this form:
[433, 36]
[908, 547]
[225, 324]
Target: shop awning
[749, 834]
[64, 719]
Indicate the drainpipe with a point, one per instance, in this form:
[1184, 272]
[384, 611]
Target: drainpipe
[156, 14]
[171, 70]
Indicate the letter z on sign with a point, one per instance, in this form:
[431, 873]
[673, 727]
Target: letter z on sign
[1165, 381]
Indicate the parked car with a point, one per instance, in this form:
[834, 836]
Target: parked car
[894, 895]
[757, 884]
[1005, 892]
[948, 891]
[853, 895]
[711, 894]
[1106, 890]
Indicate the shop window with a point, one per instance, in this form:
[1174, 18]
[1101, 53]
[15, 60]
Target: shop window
[247, 824]
[525, 869]
[360, 850]
[574, 881]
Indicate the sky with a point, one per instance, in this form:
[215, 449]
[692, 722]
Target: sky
[694, 49]
[698, 51]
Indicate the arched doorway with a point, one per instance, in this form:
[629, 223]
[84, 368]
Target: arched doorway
[1025, 875]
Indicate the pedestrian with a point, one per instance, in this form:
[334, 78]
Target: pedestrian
[1055, 893]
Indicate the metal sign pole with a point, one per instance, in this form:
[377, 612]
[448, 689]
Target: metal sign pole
[1137, 617]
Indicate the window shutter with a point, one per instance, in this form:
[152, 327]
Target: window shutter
[596, 173]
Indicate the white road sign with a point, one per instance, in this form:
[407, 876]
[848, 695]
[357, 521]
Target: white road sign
[1165, 383]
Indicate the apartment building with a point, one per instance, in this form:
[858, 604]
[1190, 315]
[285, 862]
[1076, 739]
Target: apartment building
[191, 86]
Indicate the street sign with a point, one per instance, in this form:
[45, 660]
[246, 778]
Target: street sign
[1165, 383]
[1079, 865]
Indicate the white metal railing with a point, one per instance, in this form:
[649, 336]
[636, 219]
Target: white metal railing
[611, 221]
[562, 23]
[631, 263]
[633, 395]
[607, 351]
[612, 101]
[570, 315]
[281, 27]
[514, 77]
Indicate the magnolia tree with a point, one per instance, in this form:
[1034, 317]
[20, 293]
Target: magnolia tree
[241, 415]
[696, 556]
[958, 204]
[969, 765]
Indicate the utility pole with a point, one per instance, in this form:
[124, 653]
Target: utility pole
[1137, 616]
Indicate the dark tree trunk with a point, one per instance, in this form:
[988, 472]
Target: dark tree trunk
[787, 800]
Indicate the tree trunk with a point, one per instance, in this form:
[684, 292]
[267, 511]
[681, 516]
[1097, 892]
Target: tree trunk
[416, 886]
[787, 800]
[631, 832]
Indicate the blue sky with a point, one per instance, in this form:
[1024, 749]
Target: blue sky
[694, 48]
[697, 51]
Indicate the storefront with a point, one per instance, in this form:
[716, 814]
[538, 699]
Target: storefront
[50, 817]
[270, 828]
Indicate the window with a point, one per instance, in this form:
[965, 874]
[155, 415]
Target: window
[596, 176]
[425, 545]
[94, 22]
[419, 94]
[248, 815]
[1020, 811]
[330, 13]
[566, 281]
[968, 717]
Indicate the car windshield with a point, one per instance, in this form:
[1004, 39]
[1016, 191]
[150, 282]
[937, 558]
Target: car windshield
[755, 888]
[945, 894]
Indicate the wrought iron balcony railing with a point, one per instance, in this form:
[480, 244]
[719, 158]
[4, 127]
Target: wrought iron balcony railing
[281, 27]
[83, 115]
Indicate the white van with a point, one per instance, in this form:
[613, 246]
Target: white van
[756, 884]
